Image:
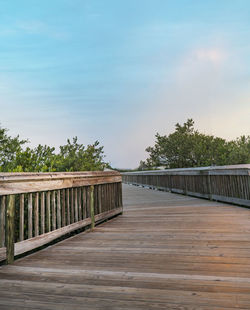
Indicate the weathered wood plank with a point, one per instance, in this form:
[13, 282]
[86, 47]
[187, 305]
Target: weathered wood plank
[63, 208]
[21, 218]
[84, 203]
[92, 210]
[16, 183]
[42, 213]
[80, 203]
[58, 213]
[68, 206]
[75, 192]
[72, 213]
[53, 210]
[10, 229]
[36, 214]
[2, 220]
[30, 215]
[48, 214]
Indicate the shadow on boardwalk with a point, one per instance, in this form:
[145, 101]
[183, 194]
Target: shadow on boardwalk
[166, 251]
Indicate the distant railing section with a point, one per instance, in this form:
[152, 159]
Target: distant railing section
[226, 183]
[37, 208]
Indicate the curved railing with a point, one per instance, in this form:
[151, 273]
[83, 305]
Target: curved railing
[37, 208]
[226, 183]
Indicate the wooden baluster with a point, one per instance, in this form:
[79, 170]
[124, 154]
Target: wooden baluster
[72, 205]
[42, 213]
[30, 214]
[53, 210]
[76, 205]
[80, 203]
[59, 221]
[92, 210]
[109, 197]
[48, 212]
[2, 221]
[68, 207]
[104, 200]
[36, 211]
[120, 196]
[99, 194]
[21, 218]
[63, 208]
[100, 198]
[116, 195]
[84, 205]
[88, 201]
[10, 230]
[112, 196]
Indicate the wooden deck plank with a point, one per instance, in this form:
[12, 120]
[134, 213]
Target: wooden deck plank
[166, 251]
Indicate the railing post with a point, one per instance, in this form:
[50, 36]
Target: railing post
[92, 210]
[10, 230]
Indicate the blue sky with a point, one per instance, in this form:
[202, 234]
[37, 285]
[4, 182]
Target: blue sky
[120, 71]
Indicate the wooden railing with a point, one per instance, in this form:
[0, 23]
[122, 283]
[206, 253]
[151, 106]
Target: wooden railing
[226, 183]
[37, 208]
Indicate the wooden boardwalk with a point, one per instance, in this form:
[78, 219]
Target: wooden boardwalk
[166, 251]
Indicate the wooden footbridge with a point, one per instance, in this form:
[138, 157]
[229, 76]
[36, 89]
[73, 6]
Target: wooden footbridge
[161, 250]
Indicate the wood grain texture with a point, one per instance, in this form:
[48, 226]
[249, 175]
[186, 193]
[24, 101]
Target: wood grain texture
[166, 251]
[10, 229]
[17, 183]
[21, 218]
[38, 241]
[48, 214]
[92, 211]
[68, 206]
[30, 216]
[53, 210]
[36, 214]
[2, 220]
[42, 213]
[58, 213]
[63, 208]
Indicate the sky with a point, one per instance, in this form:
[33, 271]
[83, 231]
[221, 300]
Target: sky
[121, 71]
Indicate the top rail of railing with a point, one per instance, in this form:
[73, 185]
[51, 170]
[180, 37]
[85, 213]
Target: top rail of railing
[18, 183]
[243, 169]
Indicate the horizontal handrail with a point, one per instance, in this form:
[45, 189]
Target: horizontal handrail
[222, 183]
[37, 208]
[17, 183]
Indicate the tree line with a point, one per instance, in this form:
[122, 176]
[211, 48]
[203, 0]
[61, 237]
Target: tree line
[187, 147]
[16, 156]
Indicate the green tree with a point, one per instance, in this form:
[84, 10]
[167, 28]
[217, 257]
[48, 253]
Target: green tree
[187, 147]
[9, 150]
[42, 158]
[240, 150]
[14, 157]
[75, 157]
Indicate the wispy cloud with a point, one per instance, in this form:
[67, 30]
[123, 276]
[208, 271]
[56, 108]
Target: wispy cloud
[212, 55]
[33, 28]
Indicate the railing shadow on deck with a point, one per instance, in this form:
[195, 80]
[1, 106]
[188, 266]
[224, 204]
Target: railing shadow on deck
[37, 208]
[229, 184]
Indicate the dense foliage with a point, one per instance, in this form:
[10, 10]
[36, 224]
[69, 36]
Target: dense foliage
[15, 156]
[187, 147]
